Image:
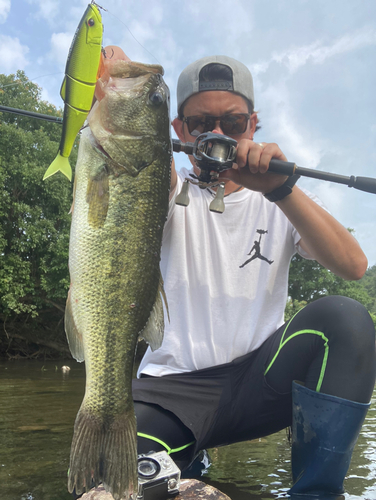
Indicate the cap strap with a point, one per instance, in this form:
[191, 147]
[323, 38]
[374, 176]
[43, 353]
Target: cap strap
[216, 85]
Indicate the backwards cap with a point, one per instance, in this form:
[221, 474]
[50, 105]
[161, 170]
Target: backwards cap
[190, 83]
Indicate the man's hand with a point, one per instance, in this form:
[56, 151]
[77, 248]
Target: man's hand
[251, 167]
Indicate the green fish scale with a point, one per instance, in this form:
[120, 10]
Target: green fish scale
[132, 282]
[115, 293]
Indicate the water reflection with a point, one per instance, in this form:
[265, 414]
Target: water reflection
[38, 405]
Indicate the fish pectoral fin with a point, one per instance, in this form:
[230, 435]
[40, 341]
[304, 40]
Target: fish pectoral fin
[98, 196]
[75, 340]
[162, 292]
[154, 329]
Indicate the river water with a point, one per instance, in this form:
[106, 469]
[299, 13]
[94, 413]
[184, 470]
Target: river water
[38, 405]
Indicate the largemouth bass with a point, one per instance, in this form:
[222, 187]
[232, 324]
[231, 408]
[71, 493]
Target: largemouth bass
[120, 206]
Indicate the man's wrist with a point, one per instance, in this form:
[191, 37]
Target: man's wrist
[281, 192]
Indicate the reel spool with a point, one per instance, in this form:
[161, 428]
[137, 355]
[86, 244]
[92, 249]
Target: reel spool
[213, 153]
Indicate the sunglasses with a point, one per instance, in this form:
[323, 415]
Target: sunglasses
[231, 124]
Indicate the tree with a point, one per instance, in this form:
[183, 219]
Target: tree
[35, 219]
[369, 283]
[309, 280]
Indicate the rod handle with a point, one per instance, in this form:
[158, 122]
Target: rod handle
[367, 184]
[282, 167]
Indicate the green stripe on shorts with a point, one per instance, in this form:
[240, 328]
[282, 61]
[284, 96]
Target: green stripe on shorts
[167, 448]
[302, 332]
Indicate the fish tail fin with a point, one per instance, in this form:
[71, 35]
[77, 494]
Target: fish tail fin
[105, 452]
[120, 458]
[61, 164]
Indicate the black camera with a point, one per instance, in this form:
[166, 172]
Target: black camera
[158, 476]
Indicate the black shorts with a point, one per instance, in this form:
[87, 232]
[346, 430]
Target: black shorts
[217, 404]
[329, 345]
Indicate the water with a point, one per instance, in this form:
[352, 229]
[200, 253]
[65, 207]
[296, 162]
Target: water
[38, 405]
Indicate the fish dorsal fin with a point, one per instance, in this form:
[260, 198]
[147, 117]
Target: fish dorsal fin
[75, 340]
[154, 329]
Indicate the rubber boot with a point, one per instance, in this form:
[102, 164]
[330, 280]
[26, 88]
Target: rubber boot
[324, 432]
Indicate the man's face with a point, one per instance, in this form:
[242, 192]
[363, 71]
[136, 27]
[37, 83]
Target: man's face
[214, 103]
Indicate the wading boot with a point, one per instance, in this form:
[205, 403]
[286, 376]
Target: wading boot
[324, 432]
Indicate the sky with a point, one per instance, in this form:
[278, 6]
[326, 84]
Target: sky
[313, 64]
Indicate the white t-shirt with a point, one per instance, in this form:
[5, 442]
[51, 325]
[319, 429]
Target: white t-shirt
[218, 310]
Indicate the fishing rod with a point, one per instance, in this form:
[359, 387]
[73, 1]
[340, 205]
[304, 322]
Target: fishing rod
[215, 153]
[32, 114]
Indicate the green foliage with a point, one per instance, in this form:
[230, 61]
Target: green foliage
[369, 283]
[308, 281]
[292, 307]
[34, 214]
[17, 91]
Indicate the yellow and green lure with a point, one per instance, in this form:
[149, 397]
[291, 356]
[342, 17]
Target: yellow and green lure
[77, 90]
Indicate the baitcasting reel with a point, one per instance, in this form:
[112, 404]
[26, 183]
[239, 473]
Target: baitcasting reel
[213, 153]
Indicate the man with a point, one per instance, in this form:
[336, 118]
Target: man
[227, 365]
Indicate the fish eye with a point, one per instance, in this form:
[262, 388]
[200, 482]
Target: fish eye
[156, 98]
[90, 22]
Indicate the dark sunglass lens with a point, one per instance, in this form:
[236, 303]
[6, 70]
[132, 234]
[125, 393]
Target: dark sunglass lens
[199, 124]
[193, 123]
[234, 124]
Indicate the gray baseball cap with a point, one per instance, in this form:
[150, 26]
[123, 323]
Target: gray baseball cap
[190, 83]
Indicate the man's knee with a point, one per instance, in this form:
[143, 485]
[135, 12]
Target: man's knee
[342, 319]
[350, 339]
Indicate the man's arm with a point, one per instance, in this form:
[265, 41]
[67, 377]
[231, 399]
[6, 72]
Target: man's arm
[322, 236]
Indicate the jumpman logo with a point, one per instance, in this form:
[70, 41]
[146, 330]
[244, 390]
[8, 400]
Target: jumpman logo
[256, 249]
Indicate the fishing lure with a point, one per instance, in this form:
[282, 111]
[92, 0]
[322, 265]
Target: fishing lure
[77, 91]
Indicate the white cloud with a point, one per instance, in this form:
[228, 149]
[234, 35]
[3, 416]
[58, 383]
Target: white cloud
[281, 125]
[12, 54]
[333, 196]
[45, 96]
[47, 9]
[142, 31]
[4, 10]
[60, 44]
[305, 152]
[317, 52]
